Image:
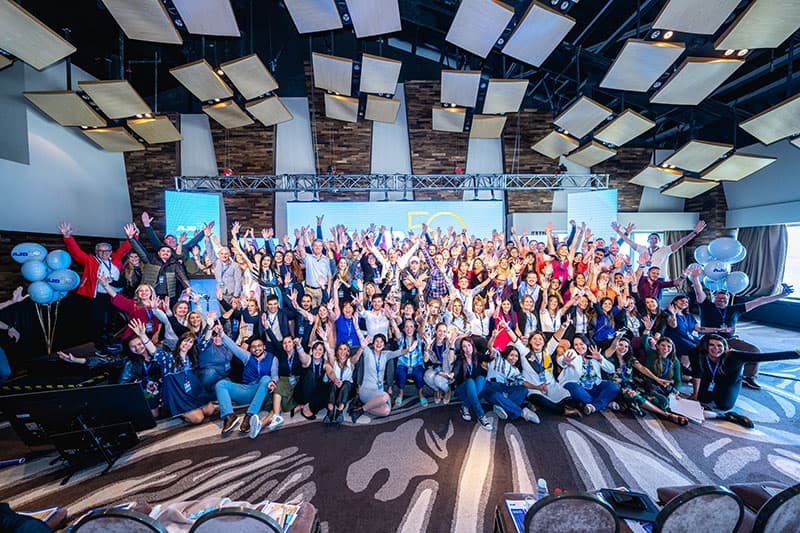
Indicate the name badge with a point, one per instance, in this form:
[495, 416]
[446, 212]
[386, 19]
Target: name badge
[301, 331]
[160, 279]
[292, 380]
[187, 386]
[543, 377]
[711, 386]
[148, 327]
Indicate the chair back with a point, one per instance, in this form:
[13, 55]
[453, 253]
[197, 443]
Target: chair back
[117, 521]
[571, 513]
[236, 519]
[709, 509]
[781, 513]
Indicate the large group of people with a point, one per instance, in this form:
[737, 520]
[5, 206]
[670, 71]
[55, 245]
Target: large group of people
[351, 323]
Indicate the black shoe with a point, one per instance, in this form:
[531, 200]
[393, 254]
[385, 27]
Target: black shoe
[750, 383]
[339, 417]
[229, 423]
[312, 417]
[328, 417]
[742, 420]
[355, 414]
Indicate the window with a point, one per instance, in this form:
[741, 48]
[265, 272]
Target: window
[791, 272]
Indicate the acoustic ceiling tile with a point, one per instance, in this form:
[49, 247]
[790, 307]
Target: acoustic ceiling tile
[504, 96]
[738, 166]
[538, 33]
[779, 121]
[374, 17]
[379, 74]
[695, 79]
[640, 63]
[591, 154]
[382, 109]
[115, 98]
[555, 144]
[144, 20]
[269, 111]
[696, 156]
[487, 126]
[66, 108]
[449, 118]
[332, 73]
[311, 16]
[26, 37]
[626, 127]
[114, 139]
[228, 114]
[208, 17]
[341, 107]
[693, 16]
[158, 129]
[582, 116]
[763, 24]
[689, 188]
[656, 176]
[250, 76]
[478, 25]
[201, 80]
[460, 87]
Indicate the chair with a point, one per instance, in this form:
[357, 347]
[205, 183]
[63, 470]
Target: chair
[117, 521]
[238, 519]
[571, 513]
[780, 514]
[708, 509]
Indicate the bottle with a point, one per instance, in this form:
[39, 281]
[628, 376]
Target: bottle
[541, 489]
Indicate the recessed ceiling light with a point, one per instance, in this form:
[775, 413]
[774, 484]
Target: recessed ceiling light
[656, 34]
[220, 71]
[742, 52]
[668, 34]
[139, 115]
[729, 52]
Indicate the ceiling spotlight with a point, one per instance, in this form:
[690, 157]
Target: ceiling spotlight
[729, 52]
[566, 132]
[656, 85]
[564, 4]
[346, 18]
[179, 23]
[220, 71]
[216, 99]
[742, 52]
[500, 41]
[668, 34]
[148, 115]
[553, 2]
[139, 115]
[656, 34]
[84, 128]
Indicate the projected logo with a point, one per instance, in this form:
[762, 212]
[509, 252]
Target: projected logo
[441, 218]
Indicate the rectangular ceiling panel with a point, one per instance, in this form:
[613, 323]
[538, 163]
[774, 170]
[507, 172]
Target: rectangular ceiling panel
[460, 87]
[582, 116]
[333, 73]
[158, 129]
[693, 16]
[487, 126]
[626, 127]
[779, 121]
[478, 24]
[208, 17]
[449, 118]
[341, 107]
[4, 61]
[591, 154]
[504, 96]
[201, 80]
[656, 177]
[689, 188]
[555, 144]
[269, 111]
[738, 166]
[311, 16]
[695, 79]
[539, 32]
[379, 74]
[374, 17]
[763, 24]
[640, 63]
[144, 20]
[27, 38]
[115, 98]
[696, 156]
[382, 109]
[250, 76]
[114, 139]
[66, 108]
[228, 114]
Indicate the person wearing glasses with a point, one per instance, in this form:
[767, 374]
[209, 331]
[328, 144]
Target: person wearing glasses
[105, 263]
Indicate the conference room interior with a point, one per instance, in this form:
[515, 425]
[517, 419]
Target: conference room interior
[621, 174]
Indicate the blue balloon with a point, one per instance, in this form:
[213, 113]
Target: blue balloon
[40, 292]
[702, 255]
[739, 258]
[737, 282]
[63, 280]
[59, 295]
[58, 259]
[715, 285]
[724, 249]
[34, 270]
[28, 251]
[716, 270]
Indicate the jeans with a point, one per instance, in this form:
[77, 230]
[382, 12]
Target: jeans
[5, 367]
[209, 377]
[437, 383]
[229, 392]
[468, 392]
[600, 395]
[509, 397]
[402, 372]
[340, 395]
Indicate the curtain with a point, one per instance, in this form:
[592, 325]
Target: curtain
[677, 261]
[766, 257]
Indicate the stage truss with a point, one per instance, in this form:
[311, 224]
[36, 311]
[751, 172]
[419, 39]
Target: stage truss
[386, 183]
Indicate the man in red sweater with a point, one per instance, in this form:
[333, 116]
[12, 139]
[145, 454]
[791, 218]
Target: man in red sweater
[105, 262]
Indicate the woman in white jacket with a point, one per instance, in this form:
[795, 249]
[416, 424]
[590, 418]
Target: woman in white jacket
[581, 375]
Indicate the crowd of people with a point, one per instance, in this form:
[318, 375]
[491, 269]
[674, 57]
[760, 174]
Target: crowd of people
[357, 321]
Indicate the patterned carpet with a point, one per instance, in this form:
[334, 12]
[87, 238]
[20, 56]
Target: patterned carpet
[429, 470]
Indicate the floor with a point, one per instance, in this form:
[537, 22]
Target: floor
[426, 469]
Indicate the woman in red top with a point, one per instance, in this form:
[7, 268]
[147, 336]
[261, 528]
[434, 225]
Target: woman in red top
[140, 307]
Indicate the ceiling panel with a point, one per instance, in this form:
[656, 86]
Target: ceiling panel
[460, 87]
[640, 63]
[689, 188]
[374, 17]
[25, 37]
[114, 139]
[478, 24]
[333, 73]
[115, 98]
[449, 118]
[158, 129]
[341, 107]
[201, 80]
[144, 20]
[379, 74]
[693, 16]
[655, 176]
[555, 144]
[591, 154]
[311, 16]
[269, 111]
[582, 116]
[382, 109]
[5, 61]
[763, 24]
[504, 96]
[738, 166]
[626, 127]
[538, 33]
[696, 156]
[695, 79]
[796, 142]
[487, 126]
[250, 76]
[66, 108]
[773, 124]
[228, 114]
[208, 17]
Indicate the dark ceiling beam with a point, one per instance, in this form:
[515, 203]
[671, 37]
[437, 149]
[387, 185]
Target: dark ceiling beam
[599, 47]
[766, 89]
[754, 74]
[591, 24]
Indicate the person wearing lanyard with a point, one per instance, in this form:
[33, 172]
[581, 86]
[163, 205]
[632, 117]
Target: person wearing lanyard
[550, 315]
[505, 388]
[439, 357]
[469, 383]
[339, 371]
[289, 371]
[375, 401]
[717, 376]
[317, 270]
[346, 325]
[581, 375]
[528, 323]
[140, 307]
[275, 320]
[312, 391]
[411, 363]
[227, 273]
[139, 368]
[663, 362]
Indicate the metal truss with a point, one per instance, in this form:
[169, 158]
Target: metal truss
[299, 183]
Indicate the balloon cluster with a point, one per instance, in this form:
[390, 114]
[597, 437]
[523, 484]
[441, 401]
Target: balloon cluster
[49, 273]
[714, 264]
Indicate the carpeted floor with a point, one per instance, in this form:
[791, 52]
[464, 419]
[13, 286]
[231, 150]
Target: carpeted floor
[429, 470]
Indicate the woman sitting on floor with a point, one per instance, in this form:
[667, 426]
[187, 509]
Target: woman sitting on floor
[581, 375]
[470, 381]
[375, 401]
[439, 359]
[339, 371]
[505, 388]
[312, 391]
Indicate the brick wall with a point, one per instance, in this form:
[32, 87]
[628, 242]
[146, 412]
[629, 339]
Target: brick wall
[712, 208]
[621, 169]
[522, 131]
[249, 150]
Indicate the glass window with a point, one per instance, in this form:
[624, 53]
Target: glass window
[791, 272]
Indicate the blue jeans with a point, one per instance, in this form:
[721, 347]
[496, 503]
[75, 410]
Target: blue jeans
[509, 397]
[400, 375]
[469, 391]
[600, 395]
[5, 367]
[229, 392]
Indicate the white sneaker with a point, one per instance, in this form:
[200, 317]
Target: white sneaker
[530, 416]
[255, 426]
[500, 412]
[486, 423]
[614, 406]
[276, 422]
[465, 413]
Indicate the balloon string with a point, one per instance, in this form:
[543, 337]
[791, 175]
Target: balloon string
[41, 323]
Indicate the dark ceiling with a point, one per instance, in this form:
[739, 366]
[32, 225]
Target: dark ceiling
[575, 68]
